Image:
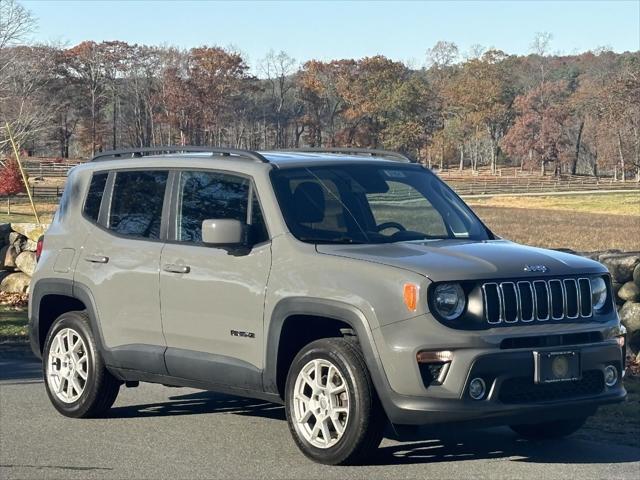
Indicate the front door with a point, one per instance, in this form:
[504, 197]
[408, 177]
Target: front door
[212, 299]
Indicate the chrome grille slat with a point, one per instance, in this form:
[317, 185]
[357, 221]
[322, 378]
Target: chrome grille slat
[528, 301]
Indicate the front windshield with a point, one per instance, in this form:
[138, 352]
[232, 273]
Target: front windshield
[372, 204]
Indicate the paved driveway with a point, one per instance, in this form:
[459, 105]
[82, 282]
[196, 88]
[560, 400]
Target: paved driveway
[160, 432]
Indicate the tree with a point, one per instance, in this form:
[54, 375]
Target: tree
[539, 132]
[11, 182]
[84, 64]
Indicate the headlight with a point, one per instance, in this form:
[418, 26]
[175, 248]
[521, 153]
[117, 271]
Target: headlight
[598, 292]
[449, 300]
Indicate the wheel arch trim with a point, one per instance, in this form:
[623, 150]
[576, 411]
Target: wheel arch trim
[330, 309]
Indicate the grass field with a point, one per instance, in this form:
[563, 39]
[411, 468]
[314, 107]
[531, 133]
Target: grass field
[627, 204]
[13, 322]
[579, 222]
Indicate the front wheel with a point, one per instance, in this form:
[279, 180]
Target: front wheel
[332, 408]
[76, 379]
[549, 430]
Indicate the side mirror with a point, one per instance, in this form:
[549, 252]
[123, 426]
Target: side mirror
[223, 232]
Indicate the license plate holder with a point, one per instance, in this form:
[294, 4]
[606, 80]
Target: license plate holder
[553, 367]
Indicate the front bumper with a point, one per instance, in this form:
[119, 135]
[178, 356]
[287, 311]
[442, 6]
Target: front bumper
[504, 371]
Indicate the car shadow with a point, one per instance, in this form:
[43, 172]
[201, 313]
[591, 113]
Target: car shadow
[458, 444]
[202, 403]
[19, 365]
[426, 445]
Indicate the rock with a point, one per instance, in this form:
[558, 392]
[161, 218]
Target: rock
[636, 275]
[30, 246]
[630, 316]
[5, 230]
[629, 292]
[15, 283]
[616, 288]
[8, 256]
[18, 241]
[606, 253]
[621, 265]
[32, 231]
[26, 262]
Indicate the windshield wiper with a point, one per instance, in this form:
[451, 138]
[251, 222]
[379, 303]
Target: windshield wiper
[339, 240]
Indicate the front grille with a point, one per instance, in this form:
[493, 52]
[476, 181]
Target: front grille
[539, 300]
[524, 390]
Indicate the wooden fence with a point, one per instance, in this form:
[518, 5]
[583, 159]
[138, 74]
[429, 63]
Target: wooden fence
[507, 181]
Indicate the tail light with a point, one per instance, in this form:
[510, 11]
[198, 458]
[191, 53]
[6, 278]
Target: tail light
[39, 247]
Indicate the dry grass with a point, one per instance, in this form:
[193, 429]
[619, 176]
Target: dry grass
[612, 204]
[563, 229]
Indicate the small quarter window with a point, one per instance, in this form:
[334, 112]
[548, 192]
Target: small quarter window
[94, 197]
[136, 204]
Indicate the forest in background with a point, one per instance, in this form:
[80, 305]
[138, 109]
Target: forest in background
[576, 114]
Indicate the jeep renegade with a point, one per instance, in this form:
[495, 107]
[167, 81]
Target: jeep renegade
[353, 286]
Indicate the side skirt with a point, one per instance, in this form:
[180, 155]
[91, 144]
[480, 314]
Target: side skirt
[125, 374]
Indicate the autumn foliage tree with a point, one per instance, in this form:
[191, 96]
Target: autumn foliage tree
[11, 182]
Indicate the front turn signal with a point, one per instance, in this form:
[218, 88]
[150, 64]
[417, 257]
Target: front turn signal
[410, 296]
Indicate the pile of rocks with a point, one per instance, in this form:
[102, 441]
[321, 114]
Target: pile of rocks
[625, 274]
[18, 242]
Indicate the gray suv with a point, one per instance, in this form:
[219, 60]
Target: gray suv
[353, 286]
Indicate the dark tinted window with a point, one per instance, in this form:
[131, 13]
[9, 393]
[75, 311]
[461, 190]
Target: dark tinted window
[209, 195]
[94, 197]
[136, 206]
[372, 204]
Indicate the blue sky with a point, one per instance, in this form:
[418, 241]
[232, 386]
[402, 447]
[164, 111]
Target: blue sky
[331, 29]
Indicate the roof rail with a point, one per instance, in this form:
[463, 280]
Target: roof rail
[400, 157]
[140, 152]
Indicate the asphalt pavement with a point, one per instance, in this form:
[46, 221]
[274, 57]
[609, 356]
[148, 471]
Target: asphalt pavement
[159, 432]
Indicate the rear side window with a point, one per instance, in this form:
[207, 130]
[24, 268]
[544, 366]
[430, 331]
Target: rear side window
[136, 204]
[94, 197]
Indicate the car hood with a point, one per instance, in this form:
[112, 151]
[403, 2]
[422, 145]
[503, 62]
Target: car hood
[448, 260]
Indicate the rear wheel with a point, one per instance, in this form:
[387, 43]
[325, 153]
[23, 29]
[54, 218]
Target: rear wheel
[76, 379]
[549, 430]
[332, 408]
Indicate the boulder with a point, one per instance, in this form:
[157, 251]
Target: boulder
[636, 275]
[616, 288]
[5, 230]
[621, 265]
[630, 316]
[18, 241]
[629, 292]
[26, 262]
[8, 256]
[32, 231]
[30, 246]
[15, 283]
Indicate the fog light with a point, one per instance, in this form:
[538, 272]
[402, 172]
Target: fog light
[477, 389]
[610, 375]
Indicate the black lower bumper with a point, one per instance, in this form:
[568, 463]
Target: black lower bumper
[508, 370]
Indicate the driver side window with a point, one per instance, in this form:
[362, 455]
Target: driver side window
[405, 205]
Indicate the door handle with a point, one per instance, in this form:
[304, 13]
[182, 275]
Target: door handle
[173, 268]
[96, 259]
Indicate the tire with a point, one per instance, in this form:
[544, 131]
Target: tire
[71, 394]
[549, 430]
[356, 410]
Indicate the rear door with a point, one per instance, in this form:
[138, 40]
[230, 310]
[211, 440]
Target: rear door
[212, 299]
[120, 262]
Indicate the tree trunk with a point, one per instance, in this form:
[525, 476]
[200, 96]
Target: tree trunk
[574, 164]
[461, 148]
[622, 172]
